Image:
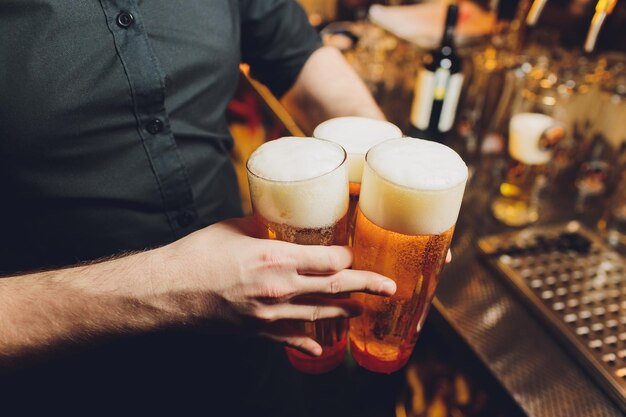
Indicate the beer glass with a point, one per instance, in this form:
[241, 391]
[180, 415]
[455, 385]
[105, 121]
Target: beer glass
[410, 200]
[612, 133]
[536, 128]
[299, 193]
[356, 135]
[613, 222]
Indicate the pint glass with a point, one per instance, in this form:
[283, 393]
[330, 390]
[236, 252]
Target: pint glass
[410, 200]
[531, 139]
[537, 128]
[299, 193]
[356, 135]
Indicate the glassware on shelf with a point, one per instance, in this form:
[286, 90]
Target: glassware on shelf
[613, 222]
[537, 126]
[598, 170]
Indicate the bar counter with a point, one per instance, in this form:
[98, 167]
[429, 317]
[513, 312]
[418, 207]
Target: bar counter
[475, 303]
[480, 330]
[533, 367]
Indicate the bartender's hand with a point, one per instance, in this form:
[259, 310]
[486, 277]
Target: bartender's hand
[228, 279]
[218, 278]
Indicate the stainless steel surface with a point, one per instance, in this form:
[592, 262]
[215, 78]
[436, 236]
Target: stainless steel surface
[575, 284]
[541, 376]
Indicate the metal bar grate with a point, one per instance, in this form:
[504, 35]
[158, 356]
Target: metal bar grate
[577, 285]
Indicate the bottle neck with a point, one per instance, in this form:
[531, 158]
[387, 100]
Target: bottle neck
[450, 25]
[448, 40]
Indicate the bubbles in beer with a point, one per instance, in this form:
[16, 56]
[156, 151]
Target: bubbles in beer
[299, 190]
[410, 199]
[383, 336]
[357, 135]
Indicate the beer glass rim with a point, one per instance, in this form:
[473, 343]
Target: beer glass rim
[377, 121]
[395, 184]
[343, 161]
[364, 154]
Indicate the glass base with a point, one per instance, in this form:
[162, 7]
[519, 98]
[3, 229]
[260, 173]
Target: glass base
[374, 364]
[331, 358]
[514, 212]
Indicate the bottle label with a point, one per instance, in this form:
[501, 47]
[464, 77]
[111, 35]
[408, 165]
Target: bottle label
[431, 86]
[450, 102]
[442, 76]
[423, 99]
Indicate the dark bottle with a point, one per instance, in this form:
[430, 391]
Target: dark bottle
[438, 87]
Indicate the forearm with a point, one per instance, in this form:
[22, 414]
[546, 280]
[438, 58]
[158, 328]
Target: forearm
[218, 279]
[50, 311]
[328, 87]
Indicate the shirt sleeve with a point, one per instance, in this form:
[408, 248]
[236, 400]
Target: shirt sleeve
[276, 41]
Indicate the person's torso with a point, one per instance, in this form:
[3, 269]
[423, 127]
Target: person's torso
[112, 128]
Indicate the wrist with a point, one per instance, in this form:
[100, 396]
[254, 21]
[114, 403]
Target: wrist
[128, 288]
[175, 287]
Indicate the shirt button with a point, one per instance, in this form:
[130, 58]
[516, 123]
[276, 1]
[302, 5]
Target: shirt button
[125, 19]
[154, 126]
[184, 218]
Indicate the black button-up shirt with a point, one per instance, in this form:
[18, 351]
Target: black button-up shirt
[112, 128]
[113, 138]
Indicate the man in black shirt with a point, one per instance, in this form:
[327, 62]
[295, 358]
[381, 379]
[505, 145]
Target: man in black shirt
[113, 141]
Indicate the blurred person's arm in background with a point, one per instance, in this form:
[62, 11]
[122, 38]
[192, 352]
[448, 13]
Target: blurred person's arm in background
[328, 87]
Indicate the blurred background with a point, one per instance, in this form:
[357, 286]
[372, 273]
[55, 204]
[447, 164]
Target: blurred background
[540, 119]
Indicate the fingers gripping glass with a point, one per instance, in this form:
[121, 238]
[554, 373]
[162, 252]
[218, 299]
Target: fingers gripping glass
[306, 209]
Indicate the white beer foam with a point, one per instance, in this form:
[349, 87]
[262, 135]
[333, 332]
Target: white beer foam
[413, 186]
[525, 130]
[357, 135]
[300, 182]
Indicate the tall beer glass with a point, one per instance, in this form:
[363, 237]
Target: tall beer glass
[299, 193]
[537, 128]
[356, 135]
[532, 137]
[410, 200]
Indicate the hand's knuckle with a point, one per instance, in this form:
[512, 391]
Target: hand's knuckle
[276, 260]
[297, 342]
[335, 285]
[316, 313]
[371, 281]
[273, 293]
[265, 314]
[334, 260]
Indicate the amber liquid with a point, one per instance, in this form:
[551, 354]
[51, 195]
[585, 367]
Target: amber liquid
[331, 334]
[355, 190]
[518, 201]
[383, 337]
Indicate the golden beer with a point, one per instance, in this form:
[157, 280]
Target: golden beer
[299, 193]
[532, 139]
[517, 203]
[355, 190]
[335, 234]
[410, 199]
[356, 135]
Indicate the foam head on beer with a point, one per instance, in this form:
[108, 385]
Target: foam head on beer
[413, 186]
[525, 130]
[357, 135]
[300, 182]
